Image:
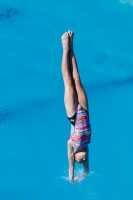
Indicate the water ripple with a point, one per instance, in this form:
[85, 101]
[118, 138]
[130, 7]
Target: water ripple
[10, 14]
[113, 83]
[25, 107]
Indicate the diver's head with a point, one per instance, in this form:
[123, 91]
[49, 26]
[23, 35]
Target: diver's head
[80, 156]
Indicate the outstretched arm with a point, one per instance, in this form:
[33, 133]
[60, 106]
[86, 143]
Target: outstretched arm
[71, 160]
[86, 162]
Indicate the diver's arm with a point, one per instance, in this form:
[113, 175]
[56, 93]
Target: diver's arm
[71, 161]
[86, 166]
[86, 162]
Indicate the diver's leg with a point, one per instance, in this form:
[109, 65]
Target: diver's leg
[70, 96]
[81, 94]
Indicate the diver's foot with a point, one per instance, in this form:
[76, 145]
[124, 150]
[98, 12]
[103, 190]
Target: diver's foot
[65, 41]
[71, 35]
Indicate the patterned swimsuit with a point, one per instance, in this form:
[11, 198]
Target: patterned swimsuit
[81, 136]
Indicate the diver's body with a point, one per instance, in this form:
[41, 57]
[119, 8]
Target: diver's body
[76, 105]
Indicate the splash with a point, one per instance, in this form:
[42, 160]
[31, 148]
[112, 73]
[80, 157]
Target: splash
[127, 1]
[79, 176]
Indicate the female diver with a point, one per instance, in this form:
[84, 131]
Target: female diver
[76, 105]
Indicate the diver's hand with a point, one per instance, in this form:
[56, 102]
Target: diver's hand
[74, 180]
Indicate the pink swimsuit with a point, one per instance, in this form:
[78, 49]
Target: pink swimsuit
[81, 136]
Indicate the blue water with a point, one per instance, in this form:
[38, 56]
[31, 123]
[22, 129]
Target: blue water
[33, 124]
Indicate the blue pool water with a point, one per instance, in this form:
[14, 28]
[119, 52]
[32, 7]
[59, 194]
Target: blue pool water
[33, 124]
